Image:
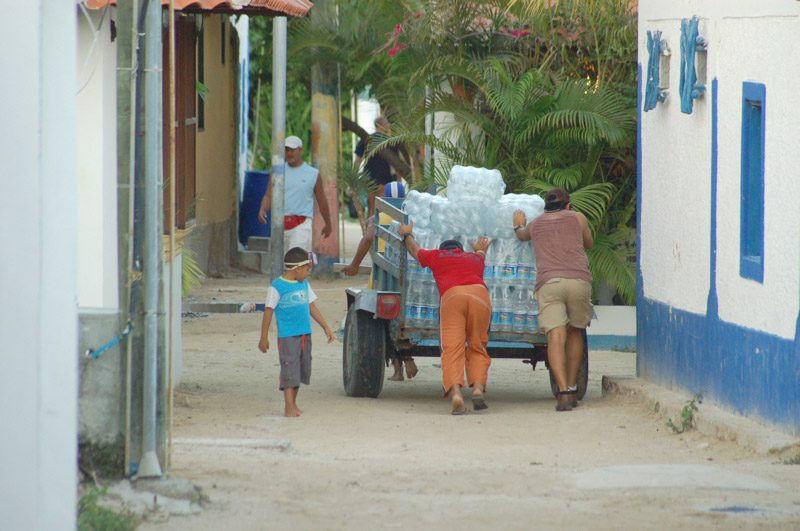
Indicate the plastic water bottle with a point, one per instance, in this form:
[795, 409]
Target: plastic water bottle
[520, 310]
[495, 298]
[498, 259]
[414, 268]
[526, 270]
[414, 305]
[532, 314]
[425, 305]
[505, 310]
[506, 272]
[431, 305]
[488, 265]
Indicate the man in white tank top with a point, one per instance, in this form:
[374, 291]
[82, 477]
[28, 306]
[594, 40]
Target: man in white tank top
[302, 186]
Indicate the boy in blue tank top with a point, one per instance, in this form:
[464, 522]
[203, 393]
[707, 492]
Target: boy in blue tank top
[291, 299]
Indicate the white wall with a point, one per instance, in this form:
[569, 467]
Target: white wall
[38, 226]
[761, 57]
[748, 41]
[97, 163]
[676, 196]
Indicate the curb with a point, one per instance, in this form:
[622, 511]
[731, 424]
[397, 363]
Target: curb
[710, 419]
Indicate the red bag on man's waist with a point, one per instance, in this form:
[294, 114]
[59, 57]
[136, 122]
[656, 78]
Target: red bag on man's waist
[290, 222]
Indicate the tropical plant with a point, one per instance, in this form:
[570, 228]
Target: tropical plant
[356, 184]
[543, 90]
[539, 134]
[191, 274]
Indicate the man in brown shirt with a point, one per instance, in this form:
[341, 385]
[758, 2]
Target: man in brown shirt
[563, 286]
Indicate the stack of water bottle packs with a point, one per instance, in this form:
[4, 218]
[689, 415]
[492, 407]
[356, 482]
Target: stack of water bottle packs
[475, 206]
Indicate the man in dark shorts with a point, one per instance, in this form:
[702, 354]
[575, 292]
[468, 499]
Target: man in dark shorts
[377, 167]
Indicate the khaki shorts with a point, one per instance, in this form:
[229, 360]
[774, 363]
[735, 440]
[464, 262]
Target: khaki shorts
[564, 301]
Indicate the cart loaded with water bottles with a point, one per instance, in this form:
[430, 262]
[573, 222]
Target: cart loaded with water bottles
[399, 316]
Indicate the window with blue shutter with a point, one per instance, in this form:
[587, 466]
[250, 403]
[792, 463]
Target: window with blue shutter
[751, 262]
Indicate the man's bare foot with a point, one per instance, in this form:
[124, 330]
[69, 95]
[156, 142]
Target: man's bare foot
[292, 412]
[458, 400]
[396, 377]
[411, 368]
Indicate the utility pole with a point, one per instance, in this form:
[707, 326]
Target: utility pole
[325, 133]
[127, 45]
[279, 33]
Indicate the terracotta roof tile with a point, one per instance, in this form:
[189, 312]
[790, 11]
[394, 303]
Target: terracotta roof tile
[293, 8]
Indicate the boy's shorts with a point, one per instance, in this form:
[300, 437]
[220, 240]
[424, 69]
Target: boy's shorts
[564, 301]
[295, 356]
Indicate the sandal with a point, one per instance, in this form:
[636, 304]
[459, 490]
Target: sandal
[479, 403]
[565, 400]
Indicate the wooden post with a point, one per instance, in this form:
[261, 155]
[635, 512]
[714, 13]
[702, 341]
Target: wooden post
[325, 148]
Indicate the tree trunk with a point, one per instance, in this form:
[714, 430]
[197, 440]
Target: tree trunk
[362, 219]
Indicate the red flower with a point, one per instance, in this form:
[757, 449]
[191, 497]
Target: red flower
[398, 28]
[417, 15]
[401, 47]
[392, 51]
[520, 33]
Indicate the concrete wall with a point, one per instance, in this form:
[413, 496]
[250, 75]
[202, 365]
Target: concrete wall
[97, 162]
[700, 324]
[102, 416]
[216, 154]
[38, 313]
[214, 238]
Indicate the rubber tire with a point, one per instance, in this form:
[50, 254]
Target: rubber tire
[583, 371]
[363, 354]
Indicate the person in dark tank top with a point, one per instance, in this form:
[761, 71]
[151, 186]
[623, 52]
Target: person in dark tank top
[563, 286]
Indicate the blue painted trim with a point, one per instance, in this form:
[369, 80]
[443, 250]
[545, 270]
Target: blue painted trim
[712, 304]
[639, 188]
[748, 371]
[751, 232]
[653, 90]
[691, 43]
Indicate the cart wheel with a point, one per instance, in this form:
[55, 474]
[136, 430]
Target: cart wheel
[583, 371]
[363, 353]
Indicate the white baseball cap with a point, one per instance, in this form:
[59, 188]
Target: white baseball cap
[293, 142]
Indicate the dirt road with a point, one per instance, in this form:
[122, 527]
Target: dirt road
[402, 461]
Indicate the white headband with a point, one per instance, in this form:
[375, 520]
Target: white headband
[292, 265]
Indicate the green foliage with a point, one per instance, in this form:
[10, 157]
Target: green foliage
[357, 184]
[687, 414]
[93, 517]
[543, 90]
[298, 96]
[792, 460]
[105, 460]
[191, 274]
[202, 90]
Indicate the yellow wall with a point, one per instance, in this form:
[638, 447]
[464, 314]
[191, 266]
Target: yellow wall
[216, 152]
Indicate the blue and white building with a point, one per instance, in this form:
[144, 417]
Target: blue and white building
[718, 306]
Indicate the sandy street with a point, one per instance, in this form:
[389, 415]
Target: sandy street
[402, 461]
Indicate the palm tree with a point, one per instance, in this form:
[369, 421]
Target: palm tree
[540, 135]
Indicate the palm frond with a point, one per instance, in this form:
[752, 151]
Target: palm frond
[612, 259]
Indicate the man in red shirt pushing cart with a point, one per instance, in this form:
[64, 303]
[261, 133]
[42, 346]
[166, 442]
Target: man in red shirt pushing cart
[464, 316]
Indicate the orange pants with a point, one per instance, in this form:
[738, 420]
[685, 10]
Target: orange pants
[465, 315]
